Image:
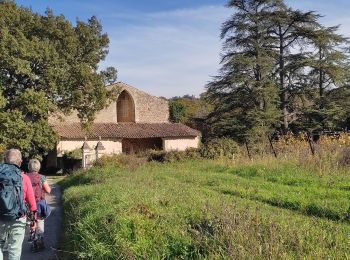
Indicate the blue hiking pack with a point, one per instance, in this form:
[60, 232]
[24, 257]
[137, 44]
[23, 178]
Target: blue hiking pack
[11, 192]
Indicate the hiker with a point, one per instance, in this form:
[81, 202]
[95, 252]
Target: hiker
[15, 189]
[40, 186]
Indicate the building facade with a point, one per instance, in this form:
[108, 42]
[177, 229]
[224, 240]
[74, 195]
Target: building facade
[136, 121]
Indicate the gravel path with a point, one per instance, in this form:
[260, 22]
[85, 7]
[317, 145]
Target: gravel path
[52, 229]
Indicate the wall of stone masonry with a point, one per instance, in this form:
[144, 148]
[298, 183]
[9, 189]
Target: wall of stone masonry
[148, 109]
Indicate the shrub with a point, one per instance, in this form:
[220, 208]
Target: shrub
[75, 154]
[175, 156]
[171, 156]
[72, 161]
[52, 170]
[193, 153]
[2, 152]
[219, 147]
[154, 155]
[344, 157]
[134, 161]
[121, 160]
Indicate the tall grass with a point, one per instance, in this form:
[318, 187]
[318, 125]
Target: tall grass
[226, 209]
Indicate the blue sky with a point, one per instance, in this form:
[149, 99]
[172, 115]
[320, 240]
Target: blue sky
[170, 47]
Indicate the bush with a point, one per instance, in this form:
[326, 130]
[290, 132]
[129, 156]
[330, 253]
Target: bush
[121, 160]
[171, 156]
[219, 147]
[72, 161]
[175, 156]
[75, 154]
[153, 155]
[52, 170]
[2, 152]
[344, 157]
[134, 161]
[193, 153]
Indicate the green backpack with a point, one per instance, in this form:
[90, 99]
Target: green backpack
[11, 193]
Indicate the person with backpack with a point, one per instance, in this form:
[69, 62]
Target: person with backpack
[15, 190]
[40, 187]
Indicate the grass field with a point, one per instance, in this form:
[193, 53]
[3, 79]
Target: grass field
[207, 209]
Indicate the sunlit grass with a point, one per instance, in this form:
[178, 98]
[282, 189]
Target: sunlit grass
[261, 208]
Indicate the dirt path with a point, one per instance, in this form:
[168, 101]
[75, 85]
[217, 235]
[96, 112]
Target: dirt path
[52, 229]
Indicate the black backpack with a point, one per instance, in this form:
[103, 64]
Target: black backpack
[11, 192]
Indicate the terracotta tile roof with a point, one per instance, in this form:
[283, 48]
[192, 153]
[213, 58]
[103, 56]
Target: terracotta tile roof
[125, 130]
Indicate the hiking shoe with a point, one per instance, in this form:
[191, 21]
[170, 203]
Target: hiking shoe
[40, 243]
[34, 247]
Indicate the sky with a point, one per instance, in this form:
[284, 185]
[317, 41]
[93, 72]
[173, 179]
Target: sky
[170, 47]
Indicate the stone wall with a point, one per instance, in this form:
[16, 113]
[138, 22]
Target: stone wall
[148, 109]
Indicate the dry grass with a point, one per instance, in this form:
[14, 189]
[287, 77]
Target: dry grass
[331, 154]
[291, 207]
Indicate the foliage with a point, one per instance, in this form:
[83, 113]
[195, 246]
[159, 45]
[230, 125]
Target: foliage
[329, 71]
[186, 108]
[72, 160]
[341, 98]
[290, 31]
[110, 75]
[344, 157]
[219, 147]
[171, 156]
[177, 112]
[205, 209]
[47, 65]
[188, 154]
[2, 152]
[154, 155]
[280, 69]
[75, 154]
[329, 151]
[244, 94]
[174, 156]
[130, 162]
[192, 153]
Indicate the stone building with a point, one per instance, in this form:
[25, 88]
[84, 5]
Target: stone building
[136, 121]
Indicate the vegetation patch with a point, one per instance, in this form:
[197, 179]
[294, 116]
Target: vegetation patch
[205, 209]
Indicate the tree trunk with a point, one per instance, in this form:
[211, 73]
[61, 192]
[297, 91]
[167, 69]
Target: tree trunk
[283, 90]
[320, 83]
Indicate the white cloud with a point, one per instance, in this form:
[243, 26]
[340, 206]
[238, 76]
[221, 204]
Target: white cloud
[175, 53]
[332, 12]
[168, 53]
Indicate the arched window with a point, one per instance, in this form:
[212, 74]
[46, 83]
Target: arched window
[125, 108]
